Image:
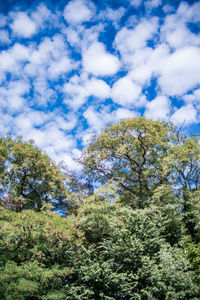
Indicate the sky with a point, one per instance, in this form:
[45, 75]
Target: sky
[68, 68]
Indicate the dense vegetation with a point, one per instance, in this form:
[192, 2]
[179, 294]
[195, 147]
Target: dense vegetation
[136, 236]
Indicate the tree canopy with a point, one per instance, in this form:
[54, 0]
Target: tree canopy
[140, 155]
[28, 177]
[132, 228]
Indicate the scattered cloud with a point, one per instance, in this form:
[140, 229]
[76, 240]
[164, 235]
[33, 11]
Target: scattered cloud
[60, 67]
[79, 11]
[98, 61]
[67, 72]
[4, 37]
[185, 115]
[113, 15]
[136, 3]
[127, 41]
[23, 25]
[150, 4]
[158, 109]
[126, 92]
[180, 71]
[79, 89]
[97, 119]
[41, 15]
[12, 95]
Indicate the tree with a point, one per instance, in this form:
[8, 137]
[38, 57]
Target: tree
[135, 237]
[35, 254]
[29, 177]
[125, 255]
[140, 155]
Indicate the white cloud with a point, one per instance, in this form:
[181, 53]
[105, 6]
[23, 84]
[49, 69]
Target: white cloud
[113, 15]
[187, 114]
[146, 48]
[150, 4]
[12, 60]
[127, 41]
[122, 113]
[3, 20]
[158, 109]
[175, 30]
[60, 67]
[142, 69]
[20, 52]
[7, 62]
[79, 11]
[43, 94]
[75, 92]
[97, 120]
[99, 62]
[66, 123]
[180, 71]
[189, 12]
[6, 123]
[4, 37]
[98, 88]
[94, 119]
[126, 92]
[82, 37]
[86, 138]
[27, 120]
[135, 3]
[12, 95]
[50, 134]
[78, 89]
[72, 36]
[23, 25]
[41, 15]
[47, 63]
[49, 49]
[193, 99]
[168, 8]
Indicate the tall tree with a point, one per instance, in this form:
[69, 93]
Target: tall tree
[140, 155]
[29, 177]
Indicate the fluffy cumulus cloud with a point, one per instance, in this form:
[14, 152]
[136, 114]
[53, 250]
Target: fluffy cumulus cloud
[126, 92]
[59, 67]
[79, 89]
[186, 114]
[136, 3]
[23, 25]
[97, 119]
[79, 11]
[4, 36]
[158, 109]
[175, 29]
[127, 41]
[98, 61]
[68, 69]
[12, 95]
[180, 71]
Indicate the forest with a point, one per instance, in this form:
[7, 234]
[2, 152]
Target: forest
[126, 226]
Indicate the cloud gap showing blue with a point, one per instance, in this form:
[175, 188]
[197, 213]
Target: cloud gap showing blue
[68, 68]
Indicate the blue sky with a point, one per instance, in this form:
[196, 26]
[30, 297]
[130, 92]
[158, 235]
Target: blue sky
[68, 68]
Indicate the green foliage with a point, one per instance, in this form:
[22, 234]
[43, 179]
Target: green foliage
[140, 155]
[170, 208]
[184, 161]
[130, 153]
[125, 256]
[192, 213]
[135, 237]
[192, 253]
[35, 254]
[29, 177]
